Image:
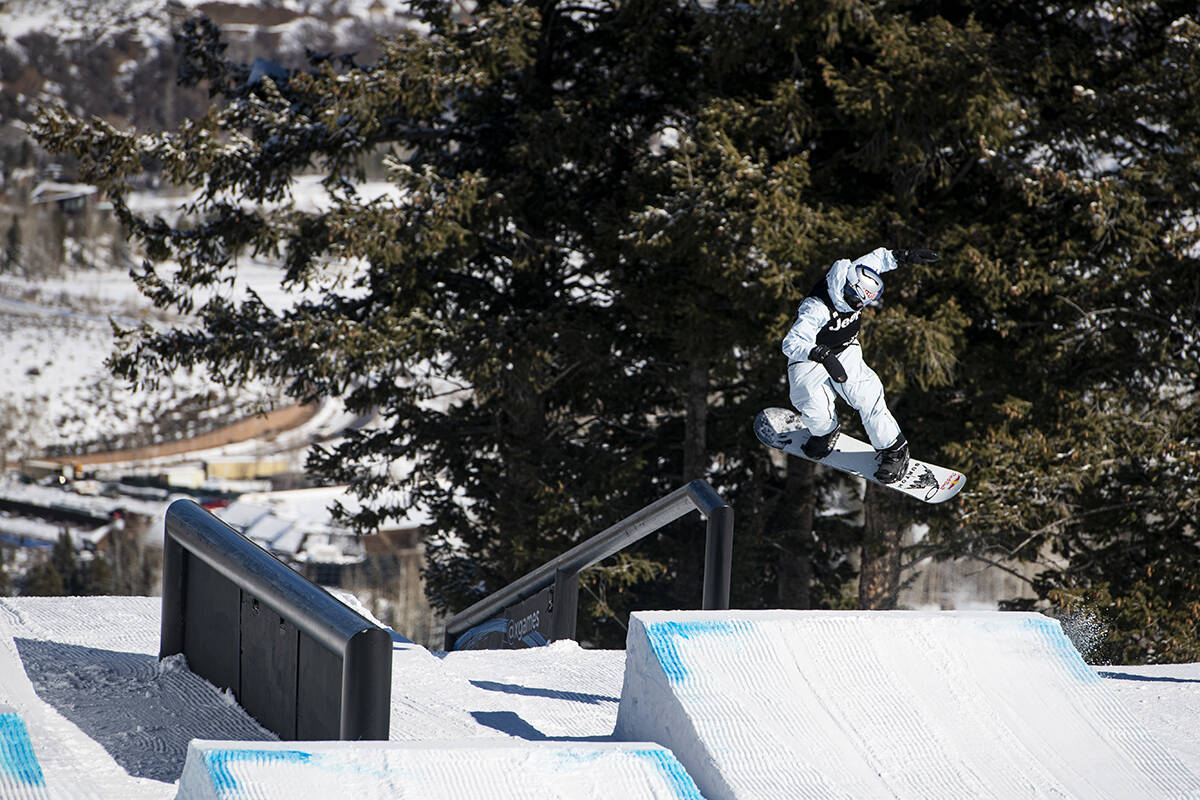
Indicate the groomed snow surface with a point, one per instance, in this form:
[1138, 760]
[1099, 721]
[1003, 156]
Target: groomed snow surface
[764, 704]
[884, 705]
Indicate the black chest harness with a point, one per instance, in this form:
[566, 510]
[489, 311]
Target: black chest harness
[843, 326]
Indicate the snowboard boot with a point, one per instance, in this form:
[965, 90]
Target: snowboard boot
[817, 447]
[893, 461]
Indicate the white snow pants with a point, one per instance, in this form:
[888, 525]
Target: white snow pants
[812, 394]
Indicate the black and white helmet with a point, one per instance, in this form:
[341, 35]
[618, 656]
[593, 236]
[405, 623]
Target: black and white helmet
[863, 287]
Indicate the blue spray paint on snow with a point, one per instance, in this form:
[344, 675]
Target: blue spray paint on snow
[664, 637]
[17, 759]
[660, 759]
[226, 785]
[218, 761]
[1051, 633]
[677, 777]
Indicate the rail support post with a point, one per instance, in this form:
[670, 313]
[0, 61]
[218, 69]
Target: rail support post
[718, 559]
[489, 622]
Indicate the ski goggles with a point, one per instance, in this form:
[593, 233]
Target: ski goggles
[863, 287]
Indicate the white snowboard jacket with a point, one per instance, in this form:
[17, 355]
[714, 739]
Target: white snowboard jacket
[824, 316]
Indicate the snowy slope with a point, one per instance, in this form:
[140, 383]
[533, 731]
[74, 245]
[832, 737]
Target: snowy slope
[106, 720]
[560, 691]
[56, 333]
[55, 336]
[905, 704]
[1166, 699]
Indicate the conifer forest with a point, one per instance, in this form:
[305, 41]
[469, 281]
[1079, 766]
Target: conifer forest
[605, 215]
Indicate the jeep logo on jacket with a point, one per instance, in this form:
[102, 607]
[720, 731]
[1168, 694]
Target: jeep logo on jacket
[824, 316]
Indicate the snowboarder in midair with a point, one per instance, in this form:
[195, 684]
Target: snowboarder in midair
[824, 356]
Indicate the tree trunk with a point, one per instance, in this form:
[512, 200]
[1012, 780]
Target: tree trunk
[883, 536]
[695, 466]
[695, 437]
[794, 536]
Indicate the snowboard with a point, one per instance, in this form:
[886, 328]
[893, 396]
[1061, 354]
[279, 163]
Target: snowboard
[781, 429]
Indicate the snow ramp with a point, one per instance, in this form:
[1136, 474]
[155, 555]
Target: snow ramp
[512, 770]
[20, 774]
[799, 704]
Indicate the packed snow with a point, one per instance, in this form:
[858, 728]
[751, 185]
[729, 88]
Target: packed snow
[107, 719]
[502, 770]
[906, 704]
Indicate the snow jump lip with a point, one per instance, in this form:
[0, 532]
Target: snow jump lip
[20, 773]
[885, 704]
[505, 769]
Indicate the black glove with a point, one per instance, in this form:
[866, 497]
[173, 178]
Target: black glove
[825, 357]
[918, 255]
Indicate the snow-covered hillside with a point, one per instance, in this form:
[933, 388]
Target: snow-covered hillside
[56, 390]
[56, 393]
[55, 335]
[149, 20]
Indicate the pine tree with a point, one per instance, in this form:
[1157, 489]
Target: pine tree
[64, 561]
[43, 580]
[6, 578]
[1082, 288]
[1054, 350]
[603, 220]
[96, 576]
[513, 142]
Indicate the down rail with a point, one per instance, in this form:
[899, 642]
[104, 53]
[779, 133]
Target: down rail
[542, 605]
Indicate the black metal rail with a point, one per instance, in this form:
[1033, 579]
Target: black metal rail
[512, 616]
[300, 661]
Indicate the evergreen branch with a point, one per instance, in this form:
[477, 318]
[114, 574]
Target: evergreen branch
[1115, 310]
[1060, 523]
[1000, 566]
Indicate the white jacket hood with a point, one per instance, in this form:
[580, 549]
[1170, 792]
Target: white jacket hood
[880, 259]
[835, 282]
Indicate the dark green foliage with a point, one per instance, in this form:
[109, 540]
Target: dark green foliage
[6, 581]
[604, 218]
[68, 572]
[63, 559]
[43, 580]
[1078, 271]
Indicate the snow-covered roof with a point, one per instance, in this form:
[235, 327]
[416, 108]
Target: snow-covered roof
[268, 529]
[297, 525]
[49, 192]
[97, 505]
[312, 505]
[241, 514]
[26, 530]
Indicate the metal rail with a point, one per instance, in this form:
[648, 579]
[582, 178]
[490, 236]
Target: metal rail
[563, 571]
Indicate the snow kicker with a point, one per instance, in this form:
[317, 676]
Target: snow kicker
[432, 770]
[884, 705]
